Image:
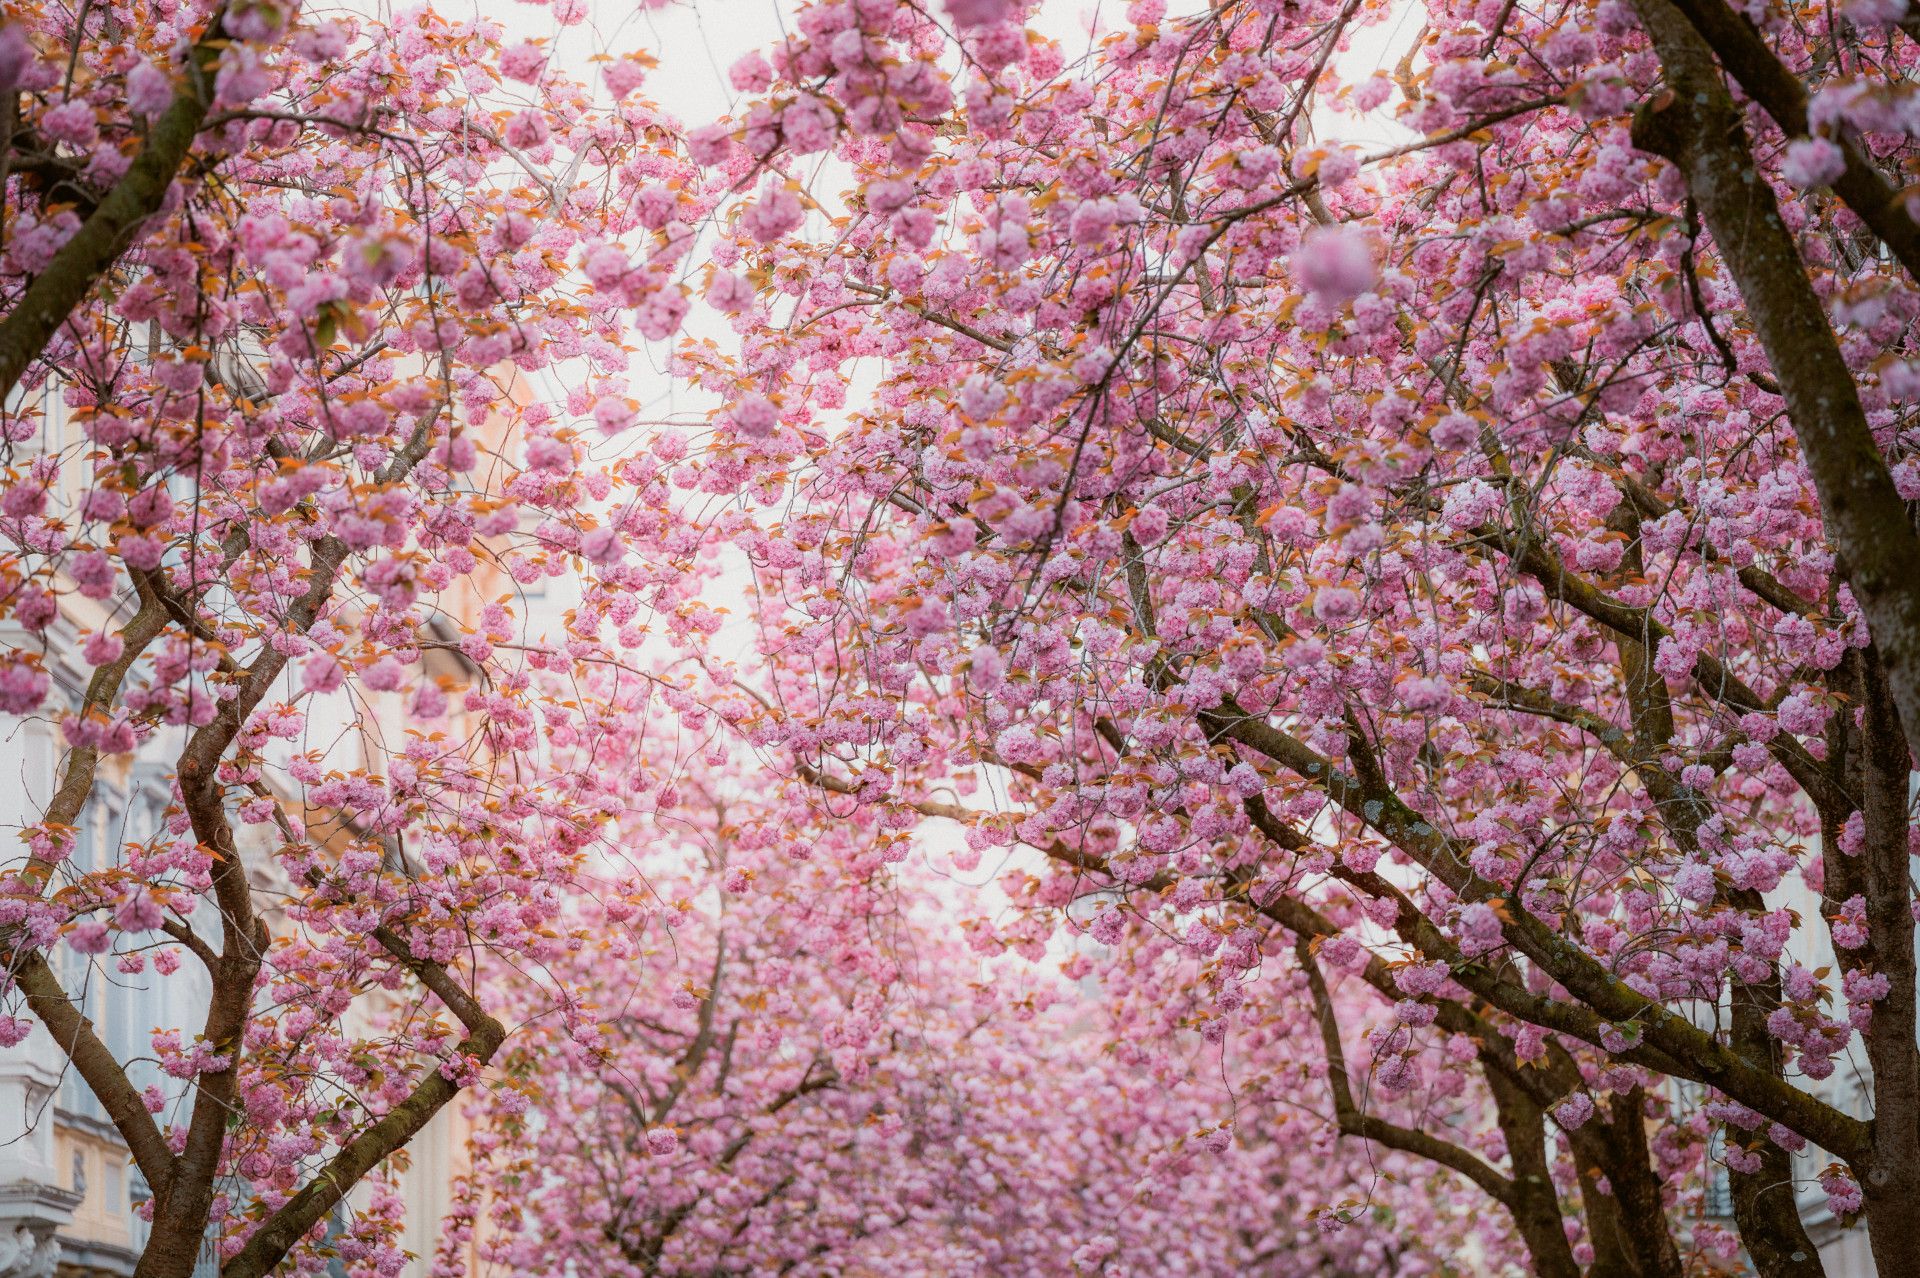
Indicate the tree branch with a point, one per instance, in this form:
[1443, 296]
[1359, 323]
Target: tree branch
[1683, 1047]
[1698, 128]
[103, 237]
[98, 1067]
[1743, 51]
[1355, 1122]
[270, 1243]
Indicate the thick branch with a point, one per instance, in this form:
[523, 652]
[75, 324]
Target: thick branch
[1682, 1046]
[270, 1244]
[1640, 626]
[1699, 129]
[103, 237]
[98, 1067]
[1768, 81]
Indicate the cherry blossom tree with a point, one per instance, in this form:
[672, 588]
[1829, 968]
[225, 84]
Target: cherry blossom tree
[1497, 543]
[838, 1086]
[1408, 573]
[273, 292]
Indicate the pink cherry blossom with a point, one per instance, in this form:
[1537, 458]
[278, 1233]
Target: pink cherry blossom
[1812, 162]
[1335, 264]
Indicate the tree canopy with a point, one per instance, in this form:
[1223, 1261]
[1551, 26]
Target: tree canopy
[1285, 637]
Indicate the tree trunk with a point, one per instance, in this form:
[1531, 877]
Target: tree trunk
[1614, 1144]
[1533, 1201]
[1870, 752]
[1698, 127]
[1702, 132]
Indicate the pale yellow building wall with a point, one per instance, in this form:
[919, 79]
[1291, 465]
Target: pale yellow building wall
[95, 1164]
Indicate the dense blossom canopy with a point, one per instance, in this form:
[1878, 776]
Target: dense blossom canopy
[1327, 641]
[1487, 555]
[275, 289]
[787, 1063]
